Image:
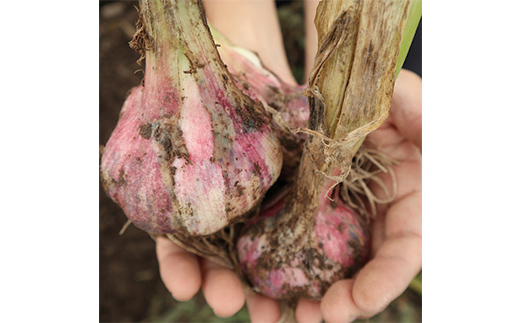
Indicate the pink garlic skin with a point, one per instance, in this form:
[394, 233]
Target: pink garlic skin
[262, 85]
[336, 247]
[187, 160]
[257, 82]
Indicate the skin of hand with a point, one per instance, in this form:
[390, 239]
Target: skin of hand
[397, 242]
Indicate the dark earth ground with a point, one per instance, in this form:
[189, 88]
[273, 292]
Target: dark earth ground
[130, 289]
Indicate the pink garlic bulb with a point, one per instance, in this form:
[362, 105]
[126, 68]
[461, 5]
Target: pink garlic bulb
[190, 152]
[298, 248]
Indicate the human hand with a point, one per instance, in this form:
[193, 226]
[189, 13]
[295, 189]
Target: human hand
[397, 228]
[396, 234]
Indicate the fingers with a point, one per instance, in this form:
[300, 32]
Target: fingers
[262, 309]
[222, 289]
[308, 311]
[407, 106]
[179, 269]
[183, 276]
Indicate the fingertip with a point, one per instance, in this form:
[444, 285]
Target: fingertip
[222, 290]
[262, 309]
[338, 305]
[179, 270]
[308, 311]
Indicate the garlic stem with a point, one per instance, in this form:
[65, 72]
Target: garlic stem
[352, 81]
[178, 29]
[359, 43]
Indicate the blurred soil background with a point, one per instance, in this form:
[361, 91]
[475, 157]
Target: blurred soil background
[130, 288]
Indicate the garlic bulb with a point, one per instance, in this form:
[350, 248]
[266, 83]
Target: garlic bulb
[190, 152]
